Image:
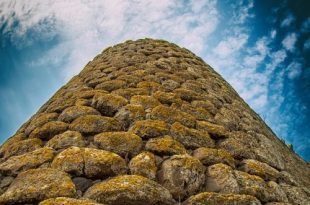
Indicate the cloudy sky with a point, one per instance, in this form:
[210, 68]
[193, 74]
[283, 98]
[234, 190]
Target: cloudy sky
[261, 47]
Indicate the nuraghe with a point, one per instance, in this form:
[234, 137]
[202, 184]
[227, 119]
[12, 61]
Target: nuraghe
[149, 123]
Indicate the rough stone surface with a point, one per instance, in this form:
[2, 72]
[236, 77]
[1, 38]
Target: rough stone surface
[182, 175]
[71, 113]
[150, 128]
[158, 112]
[38, 184]
[144, 164]
[92, 163]
[191, 138]
[68, 201]
[122, 143]
[129, 190]
[260, 169]
[221, 178]
[66, 139]
[209, 156]
[49, 130]
[165, 146]
[225, 199]
[29, 160]
[22, 147]
[90, 124]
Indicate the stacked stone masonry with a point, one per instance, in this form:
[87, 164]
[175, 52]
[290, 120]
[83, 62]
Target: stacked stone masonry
[149, 123]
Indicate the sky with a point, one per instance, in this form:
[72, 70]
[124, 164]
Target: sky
[262, 48]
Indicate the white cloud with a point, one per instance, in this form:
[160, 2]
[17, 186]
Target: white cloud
[243, 11]
[288, 21]
[289, 42]
[230, 45]
[86, 27]
[273, 33]
[294, 70]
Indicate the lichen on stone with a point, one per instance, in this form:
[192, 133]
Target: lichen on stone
[148, 122]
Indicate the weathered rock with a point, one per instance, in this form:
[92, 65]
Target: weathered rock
[256, 186]
[66, 139]
[274, 192]
[68, 201]
[187, 95]
[38, 184]
[285, 177]
[295, 195]
[207, 105]
[239, 145]
[108, 104]
[225, 199]
[209, 156]
[260, 169]
[167, 98]
[92, 124]
[151, 108]
[71, 160]
[182, 175]
[71, 113]
[6, 181]
[144, 164]
[216, 131]
[170, 85]
[251, 185]
[111, 85]
[49, 130]
[171, 115]
[12, 141]
[122, 143]
[21, 147]
[129, 190]
[165, 146]
[129, 114]
[82, 183]
[145, 101]
[129, 92]
[40, 120]
[149, 128]
[20, 163]
[92, 163]
[191, 138]
[221, 179]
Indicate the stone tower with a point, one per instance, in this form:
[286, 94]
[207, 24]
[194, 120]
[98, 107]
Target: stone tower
[149, 123]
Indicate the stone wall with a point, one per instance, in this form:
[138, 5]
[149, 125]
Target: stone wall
[149, 123]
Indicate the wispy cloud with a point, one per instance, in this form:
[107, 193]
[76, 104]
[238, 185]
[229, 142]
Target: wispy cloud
[254, 64]
[289, 42]
[294, 69]
[87, 27]
[288, 21]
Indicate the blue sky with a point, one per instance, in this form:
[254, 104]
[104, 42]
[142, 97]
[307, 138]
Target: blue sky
[262, 48]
